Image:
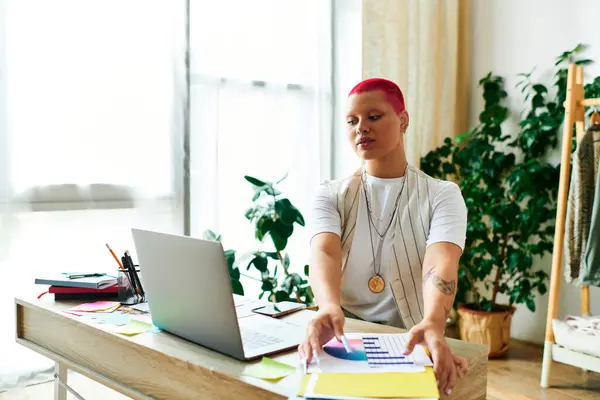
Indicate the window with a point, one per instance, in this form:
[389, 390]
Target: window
[91, 116]
[261, 105]
[92, 98]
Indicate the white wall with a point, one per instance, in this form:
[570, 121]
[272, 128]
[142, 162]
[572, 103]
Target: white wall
[513, 36]
[3, 112]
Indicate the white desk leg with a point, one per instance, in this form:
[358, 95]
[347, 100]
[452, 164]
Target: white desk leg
[546, 364]
[60, 393]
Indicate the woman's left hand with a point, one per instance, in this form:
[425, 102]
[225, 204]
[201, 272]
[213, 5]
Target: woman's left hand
[446, 366]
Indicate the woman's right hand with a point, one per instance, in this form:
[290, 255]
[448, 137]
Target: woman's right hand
[328, 323]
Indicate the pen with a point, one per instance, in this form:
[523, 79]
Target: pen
[136, 276]
[346, 344]
[131, 277]
[77, 276]
[316, 356]
[305, 366]
[115, 256]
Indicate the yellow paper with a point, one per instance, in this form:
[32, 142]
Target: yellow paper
[133, 328]
[109, 310]
[303, 385]
[142, 319]
[269, 369]
[387, 384]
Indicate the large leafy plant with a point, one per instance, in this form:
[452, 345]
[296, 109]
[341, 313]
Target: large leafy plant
[273, 218]
[509, 187]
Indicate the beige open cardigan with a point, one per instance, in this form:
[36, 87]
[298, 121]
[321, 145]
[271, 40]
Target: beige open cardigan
[582, 191]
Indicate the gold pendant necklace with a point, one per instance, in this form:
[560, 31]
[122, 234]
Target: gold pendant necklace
[376, 284]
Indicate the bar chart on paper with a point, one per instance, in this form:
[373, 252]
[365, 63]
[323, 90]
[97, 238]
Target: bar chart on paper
[371, 353]
[373, 366]
[386, 350]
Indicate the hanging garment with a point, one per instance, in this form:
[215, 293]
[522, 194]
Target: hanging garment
[580, 203]
[590, 268]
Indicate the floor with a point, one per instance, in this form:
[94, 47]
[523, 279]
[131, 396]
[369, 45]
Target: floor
[516, 377]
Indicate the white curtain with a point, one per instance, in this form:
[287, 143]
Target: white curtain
[424, 46]
[91, 107]
[94, 97]
[261, 105]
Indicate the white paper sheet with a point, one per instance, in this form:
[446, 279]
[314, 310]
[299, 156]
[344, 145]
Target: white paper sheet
[371, 353]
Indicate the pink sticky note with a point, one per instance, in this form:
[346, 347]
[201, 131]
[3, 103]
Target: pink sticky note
[96, 306]
[72, 313]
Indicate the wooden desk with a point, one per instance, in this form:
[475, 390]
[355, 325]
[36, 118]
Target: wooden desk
[163, 366]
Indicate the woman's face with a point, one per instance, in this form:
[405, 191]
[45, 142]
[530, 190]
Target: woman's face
[374, 127]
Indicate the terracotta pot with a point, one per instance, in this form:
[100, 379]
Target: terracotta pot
[488, 328]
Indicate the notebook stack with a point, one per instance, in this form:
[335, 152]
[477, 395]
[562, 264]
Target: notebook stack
[374, 368]
[67, 286]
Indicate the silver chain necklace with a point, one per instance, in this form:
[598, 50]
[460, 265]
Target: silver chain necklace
[376, 282]
[370, 210]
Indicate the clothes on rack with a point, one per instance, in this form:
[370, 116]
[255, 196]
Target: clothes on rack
[582, 192]
[590, 267]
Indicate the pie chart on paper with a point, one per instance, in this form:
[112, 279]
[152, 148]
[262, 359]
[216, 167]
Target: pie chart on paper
[336, 349]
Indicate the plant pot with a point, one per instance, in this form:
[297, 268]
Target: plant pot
[491, 328]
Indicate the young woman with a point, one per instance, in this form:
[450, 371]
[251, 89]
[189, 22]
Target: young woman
[386, 241]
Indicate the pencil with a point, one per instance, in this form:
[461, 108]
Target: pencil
[115, 256]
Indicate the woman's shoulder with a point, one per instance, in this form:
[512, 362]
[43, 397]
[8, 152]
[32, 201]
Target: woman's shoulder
[333, 187]
[436, 186]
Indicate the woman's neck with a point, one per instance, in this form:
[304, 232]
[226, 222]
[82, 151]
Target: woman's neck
[392, 165]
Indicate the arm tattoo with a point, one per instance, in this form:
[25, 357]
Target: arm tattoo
[427, 275]
[444, 286]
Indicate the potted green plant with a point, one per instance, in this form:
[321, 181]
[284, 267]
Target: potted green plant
[510, 190]
[274, 218]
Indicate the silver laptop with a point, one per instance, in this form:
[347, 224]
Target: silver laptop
[189, 294]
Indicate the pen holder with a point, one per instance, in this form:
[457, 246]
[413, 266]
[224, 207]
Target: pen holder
[127, 290]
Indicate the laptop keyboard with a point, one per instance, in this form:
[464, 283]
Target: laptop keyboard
[254, 339]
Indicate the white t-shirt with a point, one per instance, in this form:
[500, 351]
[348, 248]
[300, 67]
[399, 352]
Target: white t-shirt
[429, 211]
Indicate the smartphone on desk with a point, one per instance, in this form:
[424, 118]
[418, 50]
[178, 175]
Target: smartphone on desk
[279, 309]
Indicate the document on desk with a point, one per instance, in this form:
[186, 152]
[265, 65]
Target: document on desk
[243, 308]
[370, 353]
[388, 385]
[239, 300]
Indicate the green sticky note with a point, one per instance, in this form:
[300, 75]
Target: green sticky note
[269, 369]
[132, 328]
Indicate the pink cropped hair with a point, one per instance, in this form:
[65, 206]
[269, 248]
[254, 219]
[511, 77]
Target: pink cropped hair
[390, 89]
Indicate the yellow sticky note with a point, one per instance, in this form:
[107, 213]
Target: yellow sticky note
[142, 319]
[303, 385]
[109, 310]
[387, 384]
[269, 369]
[97, 306]
[132, 328]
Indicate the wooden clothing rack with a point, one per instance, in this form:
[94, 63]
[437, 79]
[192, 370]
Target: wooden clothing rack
[575, 105]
